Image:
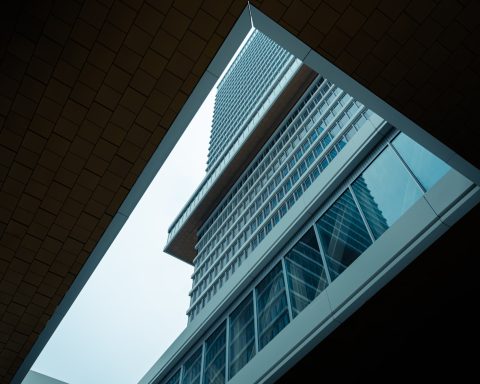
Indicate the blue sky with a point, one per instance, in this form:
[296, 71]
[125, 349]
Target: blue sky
[133, 307]
[134, 304]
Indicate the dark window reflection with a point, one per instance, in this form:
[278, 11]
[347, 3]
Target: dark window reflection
[343, 234]
[369, 207]
[271, 305]
[191, 368]
[426, 166]
[175, 379]
[305, 272]
[215, 357]
[385, 190]
[242, 336]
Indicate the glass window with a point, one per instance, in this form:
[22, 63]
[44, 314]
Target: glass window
[280, 194]
[326, 140]
[242, 336]
[302, 167]
[283, 210]
[323, 163]
[306, 275]
[331, 155]
[328, 119]
[335, 129]
[341, 143]
[191, 368]
[309, 159]
[306, 183]
[215, 357]
[290, 201]
[350, 133]
[294, 177]
[385, 190]
[425, 165]
[352, 110]
[343, 234]
[318, 149]
[271, 305]
[175, 379]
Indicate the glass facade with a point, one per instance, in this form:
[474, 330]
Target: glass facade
[191, 373]
[249, 80]
[343, 234]
[272, 309]
[316, 130]
[175, 379]
[306, 274]
[215, 357]
[339, 233]
[426, 167]
[242, 336]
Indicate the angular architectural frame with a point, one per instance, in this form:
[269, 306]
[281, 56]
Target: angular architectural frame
[432, 219]
[309, 57]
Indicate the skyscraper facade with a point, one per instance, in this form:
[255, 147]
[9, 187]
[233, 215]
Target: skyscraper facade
[279, 219]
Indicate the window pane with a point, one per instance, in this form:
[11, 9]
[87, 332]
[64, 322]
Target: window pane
[175, 379]
[191, 368]
[343, 234]
[271, 305]
[385, 190]
[242, 336]
[426, 166]
[305, 272]
[215, 357]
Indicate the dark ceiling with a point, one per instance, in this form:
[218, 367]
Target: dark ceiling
[89, 88]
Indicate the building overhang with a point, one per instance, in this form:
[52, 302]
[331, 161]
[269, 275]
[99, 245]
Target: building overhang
[182, 243]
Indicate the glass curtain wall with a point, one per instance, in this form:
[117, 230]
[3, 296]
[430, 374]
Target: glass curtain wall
[306, 274]
[242, 336]
[175, 379]
[215, 357]
[381, 193]
[192, 368]
[272, 306]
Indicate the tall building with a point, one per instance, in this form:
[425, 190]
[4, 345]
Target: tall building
[310, 203]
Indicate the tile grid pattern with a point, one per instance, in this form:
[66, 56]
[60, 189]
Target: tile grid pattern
[80, 116]
[88, 91]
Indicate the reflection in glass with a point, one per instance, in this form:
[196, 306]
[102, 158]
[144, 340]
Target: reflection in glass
[242, 336]
[369, 207]
[191, 368]
[343, 234]
[214, 371]
[385, 190]
[271, 305]
[425, 165]
[175, 379]
[305, 272]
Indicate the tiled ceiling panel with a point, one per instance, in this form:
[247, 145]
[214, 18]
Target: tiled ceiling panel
[89, 88]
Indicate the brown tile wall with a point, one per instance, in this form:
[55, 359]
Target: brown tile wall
[89, 88]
